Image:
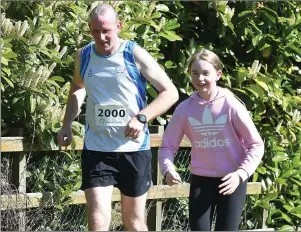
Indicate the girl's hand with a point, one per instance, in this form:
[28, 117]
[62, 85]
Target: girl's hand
[172, 178]
[231, 181]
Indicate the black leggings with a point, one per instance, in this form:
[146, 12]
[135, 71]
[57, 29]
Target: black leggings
[204, 197]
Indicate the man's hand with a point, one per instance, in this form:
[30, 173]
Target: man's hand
[172, 178]
[133, 128]
[64, 136]
[231, 181]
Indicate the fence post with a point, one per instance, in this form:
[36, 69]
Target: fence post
[18, 169]
[154, 217]
[262, 222]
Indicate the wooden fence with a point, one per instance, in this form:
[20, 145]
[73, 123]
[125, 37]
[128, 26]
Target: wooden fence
[18, 146]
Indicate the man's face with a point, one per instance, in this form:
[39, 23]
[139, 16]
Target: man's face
[104, 29]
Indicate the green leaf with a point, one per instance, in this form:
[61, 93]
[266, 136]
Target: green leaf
[67, 192]
[4, 60]
[296, 161]
[77, 185]
[32, 104]
[151, 91]
[57, 78]
[281, 181]
[161, 120]
[246, 12]
[171, 36]
[162, 7]
[297, 209]
[256, 90]
[53, 83]
[256, 40]
[277, 148]
[42, 124]
[10, 55]
[15, 100]
[73, 15]
[287, 228]
[270, 196]
[8, 81]
[286, 217]
[297, 215]
[293, 47]
[171, 25]
[261, 170]
[295, 181]
[270, 17]
[46, 53]
[288, 207]
[266, 9]
[262, 84]
[170, 64]
[287, 173]
[6, 71]
[241, 76]
[279, 158]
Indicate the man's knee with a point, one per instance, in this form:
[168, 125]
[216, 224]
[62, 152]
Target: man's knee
[98, 219]
[99, 210]
[135, 223]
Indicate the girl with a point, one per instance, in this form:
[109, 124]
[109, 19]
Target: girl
[226, 147]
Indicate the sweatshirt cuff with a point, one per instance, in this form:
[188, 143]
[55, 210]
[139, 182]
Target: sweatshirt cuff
[167, 169]
[243, 174]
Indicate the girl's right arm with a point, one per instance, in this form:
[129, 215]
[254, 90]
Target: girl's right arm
[171, 141]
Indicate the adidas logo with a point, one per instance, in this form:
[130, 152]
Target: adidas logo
[209, 127]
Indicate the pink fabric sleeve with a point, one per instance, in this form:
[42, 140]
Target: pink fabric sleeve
[244, 126]
[171, 141]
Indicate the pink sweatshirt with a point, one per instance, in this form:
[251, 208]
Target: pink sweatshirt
[223, 137]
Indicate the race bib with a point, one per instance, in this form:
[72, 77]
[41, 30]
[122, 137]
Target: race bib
[111, 115]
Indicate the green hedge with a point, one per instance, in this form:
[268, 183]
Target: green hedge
[258, 42]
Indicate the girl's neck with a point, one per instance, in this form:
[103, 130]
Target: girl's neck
[209, 96]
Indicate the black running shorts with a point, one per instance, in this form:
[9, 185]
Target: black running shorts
[130, 172]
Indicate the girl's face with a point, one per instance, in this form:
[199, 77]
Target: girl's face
[204, 76]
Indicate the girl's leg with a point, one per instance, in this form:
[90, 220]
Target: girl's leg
[201, 202]
[229, 209]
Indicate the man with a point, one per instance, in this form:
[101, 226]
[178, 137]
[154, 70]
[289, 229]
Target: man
[116, 151]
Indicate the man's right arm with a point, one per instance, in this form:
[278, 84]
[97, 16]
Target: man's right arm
[76, 98]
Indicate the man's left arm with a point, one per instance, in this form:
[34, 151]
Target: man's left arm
[168, 93]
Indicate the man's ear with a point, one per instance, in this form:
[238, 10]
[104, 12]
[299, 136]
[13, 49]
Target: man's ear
[119, 26]
[219, 74]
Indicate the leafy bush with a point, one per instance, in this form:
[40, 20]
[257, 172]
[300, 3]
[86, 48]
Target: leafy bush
[258, 42]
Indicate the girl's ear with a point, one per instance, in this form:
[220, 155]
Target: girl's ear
[219, 74]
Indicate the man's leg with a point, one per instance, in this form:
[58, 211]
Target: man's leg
[133, 212]
[99, 207]
[99, 170]
[134, 183]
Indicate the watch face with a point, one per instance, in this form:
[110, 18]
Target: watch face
[142, 118]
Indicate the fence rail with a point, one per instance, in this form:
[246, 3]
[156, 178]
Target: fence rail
[47, 199]
[19, 146]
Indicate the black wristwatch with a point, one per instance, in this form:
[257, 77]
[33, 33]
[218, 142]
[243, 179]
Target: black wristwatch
[141, 118]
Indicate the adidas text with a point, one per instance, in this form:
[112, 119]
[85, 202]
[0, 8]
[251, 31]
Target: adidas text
[206, 143]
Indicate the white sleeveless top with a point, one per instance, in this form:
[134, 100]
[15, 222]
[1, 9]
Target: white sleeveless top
[116, 91]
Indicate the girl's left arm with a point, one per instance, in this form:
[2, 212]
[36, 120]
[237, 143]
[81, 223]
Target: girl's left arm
[244, 125]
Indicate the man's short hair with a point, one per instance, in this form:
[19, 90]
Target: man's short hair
[101, 10]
